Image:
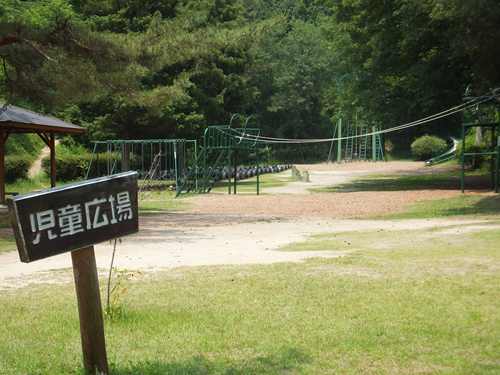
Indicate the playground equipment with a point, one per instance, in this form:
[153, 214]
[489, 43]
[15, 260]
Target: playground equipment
[221, 144]
[166, 161]
[362, 142]
[166, 158]
[354, 145]
[483, 115]
[444, 156]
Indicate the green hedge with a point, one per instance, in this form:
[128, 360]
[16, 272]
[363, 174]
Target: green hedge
[428, 146]
[74, 167]
[16, 167]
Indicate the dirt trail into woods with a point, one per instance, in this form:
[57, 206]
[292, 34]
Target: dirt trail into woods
[37, 164]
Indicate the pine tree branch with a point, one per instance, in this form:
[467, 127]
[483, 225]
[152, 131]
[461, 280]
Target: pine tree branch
[39, 51]
[5, 41]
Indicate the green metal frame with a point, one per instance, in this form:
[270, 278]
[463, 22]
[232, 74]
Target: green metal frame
[116, 147]
[220, 146]
[484, 112]
[356, 134]
[338, 126]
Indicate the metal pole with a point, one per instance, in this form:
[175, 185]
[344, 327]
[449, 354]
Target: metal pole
[235, 171]
[339, 142]
[492, 163]
[331, 146]
[374, 145]
[229, 171]
[463, 158]
[257, 160]
[175, 166]
[498, 161]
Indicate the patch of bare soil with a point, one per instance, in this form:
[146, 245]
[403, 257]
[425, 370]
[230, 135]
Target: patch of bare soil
[37, 165]
[249, 229]
[295, 198]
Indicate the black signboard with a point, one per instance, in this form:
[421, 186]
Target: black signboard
[74, 216]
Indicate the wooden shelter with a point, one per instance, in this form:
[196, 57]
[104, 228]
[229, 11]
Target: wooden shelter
[17, 120]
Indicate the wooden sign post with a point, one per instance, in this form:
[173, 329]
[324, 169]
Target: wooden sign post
[74, 218]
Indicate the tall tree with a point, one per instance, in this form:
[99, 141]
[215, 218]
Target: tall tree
[415, 58]
[189, 71]
[299, 72]
[412, 71]
[48, 56]
[131, 69]
[474, 36]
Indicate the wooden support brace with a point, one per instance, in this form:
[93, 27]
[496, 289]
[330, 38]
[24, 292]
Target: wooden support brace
[90, 311]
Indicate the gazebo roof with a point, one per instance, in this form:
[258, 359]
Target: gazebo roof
[17, 120]
[20, 120]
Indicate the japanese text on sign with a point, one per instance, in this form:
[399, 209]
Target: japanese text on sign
[70, 219]
[74, 216]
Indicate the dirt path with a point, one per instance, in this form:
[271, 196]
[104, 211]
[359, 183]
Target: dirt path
[247, 229]
[37, 164]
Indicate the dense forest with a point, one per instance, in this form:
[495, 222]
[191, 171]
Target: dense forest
[139, 69]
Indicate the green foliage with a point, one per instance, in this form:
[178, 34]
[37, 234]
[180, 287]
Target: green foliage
[411, 51]
[69, 167]
[185, 68]
[473, 34]
[16, 167]
[28, 145]
[116, 295]
[68, 146]
[294, 77]
[476, 161]
[74, 166]
[427, 146]
[48, 56]
[300, 74]
[122, 16]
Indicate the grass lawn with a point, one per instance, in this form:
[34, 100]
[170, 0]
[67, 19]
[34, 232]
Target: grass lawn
[405, 182]
[249, 186]
[160, 203]
[462, 205]
[418, 301]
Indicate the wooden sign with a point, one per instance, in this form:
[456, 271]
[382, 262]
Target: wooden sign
[74, 216]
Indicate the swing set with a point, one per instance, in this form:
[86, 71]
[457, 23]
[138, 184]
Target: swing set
[165, 160]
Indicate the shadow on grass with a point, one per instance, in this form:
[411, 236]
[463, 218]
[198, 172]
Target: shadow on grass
[483, 206]
[5, 219]
[276, 363]
[411, 182]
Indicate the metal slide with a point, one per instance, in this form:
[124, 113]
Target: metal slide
[444, 157]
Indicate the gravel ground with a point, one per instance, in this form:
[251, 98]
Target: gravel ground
[295, 199]
[249, 229]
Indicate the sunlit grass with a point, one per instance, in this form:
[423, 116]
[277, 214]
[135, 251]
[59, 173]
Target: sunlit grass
[249, 185]
[457, 206]
[7, 244]
[395, 183]
[416, 301]
[155, 203]
[475, 240]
